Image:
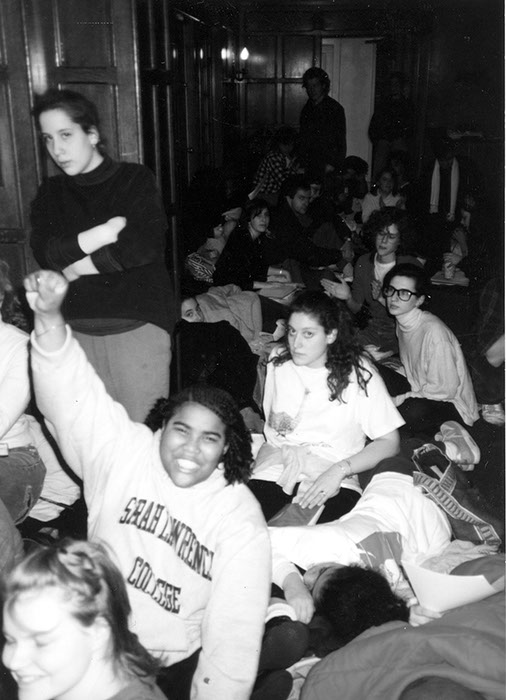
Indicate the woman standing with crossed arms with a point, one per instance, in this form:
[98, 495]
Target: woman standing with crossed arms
[323, 399]
[101, 224]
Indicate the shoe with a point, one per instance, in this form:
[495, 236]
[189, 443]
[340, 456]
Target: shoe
[430, 460]
[276, 685]
[459, 445]
[285, 642]
[493, 413]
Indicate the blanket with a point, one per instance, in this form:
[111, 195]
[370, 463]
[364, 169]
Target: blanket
[466, 645]
[229, 303]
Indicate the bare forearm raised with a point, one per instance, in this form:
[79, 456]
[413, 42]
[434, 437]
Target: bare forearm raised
[45, 292]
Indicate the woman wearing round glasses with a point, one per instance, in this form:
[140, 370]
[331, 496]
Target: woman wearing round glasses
[388, 232]
[440, 387]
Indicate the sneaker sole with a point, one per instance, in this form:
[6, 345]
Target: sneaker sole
[452, 431]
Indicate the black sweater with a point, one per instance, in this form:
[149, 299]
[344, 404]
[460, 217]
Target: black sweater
[133, 284]
[242, 261]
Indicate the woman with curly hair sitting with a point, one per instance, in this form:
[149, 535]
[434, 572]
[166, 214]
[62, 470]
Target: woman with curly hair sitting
[388, 233]
[323, 401]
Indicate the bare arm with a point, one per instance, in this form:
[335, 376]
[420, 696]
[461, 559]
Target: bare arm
[341, 290]
[103, 234]
[90, 241]
[328, 484]
[298, 596]
[45, 292]
[80, 268]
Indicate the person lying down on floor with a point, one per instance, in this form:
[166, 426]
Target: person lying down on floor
[392, 521]
[416, 507]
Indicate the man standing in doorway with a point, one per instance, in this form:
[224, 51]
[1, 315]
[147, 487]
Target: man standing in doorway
[322, 126]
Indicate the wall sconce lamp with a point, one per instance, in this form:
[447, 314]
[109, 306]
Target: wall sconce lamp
[242, 73]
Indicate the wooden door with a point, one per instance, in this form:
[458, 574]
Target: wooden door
[18, 166]
[351, 65]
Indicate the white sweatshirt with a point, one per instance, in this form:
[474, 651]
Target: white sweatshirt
[392, 522]
[14, 386]
[196, 560]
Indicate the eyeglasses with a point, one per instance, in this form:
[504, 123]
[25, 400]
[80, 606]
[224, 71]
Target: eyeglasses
[390, 236]
[403, 294]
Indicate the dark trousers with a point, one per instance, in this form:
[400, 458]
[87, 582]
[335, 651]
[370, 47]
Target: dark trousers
[488, 381]
[423, 416]
[175, 681]
[272, 498]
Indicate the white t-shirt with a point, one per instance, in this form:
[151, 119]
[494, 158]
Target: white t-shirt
[331, 430]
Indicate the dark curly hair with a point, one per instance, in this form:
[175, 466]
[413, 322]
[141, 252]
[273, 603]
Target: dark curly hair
[238, 458]
[380, 220]
[352, 600]
[345, 354]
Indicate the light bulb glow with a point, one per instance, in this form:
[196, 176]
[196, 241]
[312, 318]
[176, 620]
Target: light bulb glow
[244, 55]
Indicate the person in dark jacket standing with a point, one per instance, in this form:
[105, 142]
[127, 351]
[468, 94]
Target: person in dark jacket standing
[322, 144]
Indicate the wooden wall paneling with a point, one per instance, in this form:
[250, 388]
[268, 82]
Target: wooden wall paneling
[84, 34]
[299, 53]
[10, 210]
[261, 105]
[157, 61]
[217, 64]
[262, 62]
[192, 96]
[273, 89]
[280, 87]
[180, 111]
[18, 167]
[94, 52]
[128, 88]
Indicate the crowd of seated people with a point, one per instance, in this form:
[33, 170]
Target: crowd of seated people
[233, 564]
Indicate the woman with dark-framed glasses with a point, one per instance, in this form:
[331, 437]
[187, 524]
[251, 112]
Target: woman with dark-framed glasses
[440, 387]
[388, 233]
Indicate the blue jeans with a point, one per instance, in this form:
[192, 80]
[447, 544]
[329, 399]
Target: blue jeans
[22, 475]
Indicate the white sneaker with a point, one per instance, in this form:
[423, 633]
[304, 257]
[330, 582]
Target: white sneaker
[459, 445]
[493, 413]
